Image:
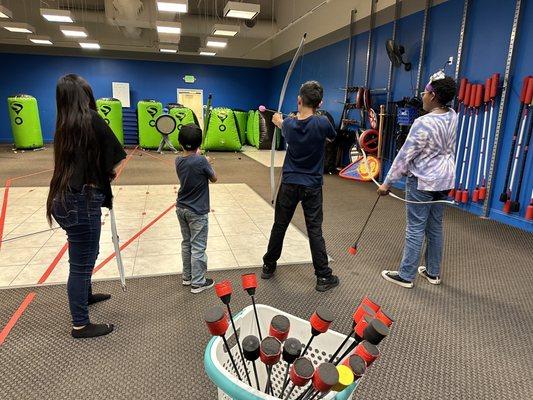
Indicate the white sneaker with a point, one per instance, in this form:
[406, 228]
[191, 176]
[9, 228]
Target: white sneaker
[394, 277]
[423, 271]
[186, 282]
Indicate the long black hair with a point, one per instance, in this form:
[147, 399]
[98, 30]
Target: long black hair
[74, 134]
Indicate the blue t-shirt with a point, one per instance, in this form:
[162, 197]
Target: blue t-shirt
[304, 161]
[194, 172]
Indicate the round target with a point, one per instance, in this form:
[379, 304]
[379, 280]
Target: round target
[222, 128]
[165, 124]
[369, 140]
[373, 164]
[18, 121]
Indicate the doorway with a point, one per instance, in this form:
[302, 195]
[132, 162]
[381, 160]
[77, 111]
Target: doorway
[193, 99]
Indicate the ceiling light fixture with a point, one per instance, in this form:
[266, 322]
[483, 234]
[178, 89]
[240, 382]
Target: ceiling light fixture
[40, 40]
[73, 31]
[235, 9]
[5, 12]
[57, 15]
[168, 50]
[173, 28]
[225, 30]
[176, 6]
[18, 27]
[206, 52]
[216, 42]
[90, 44]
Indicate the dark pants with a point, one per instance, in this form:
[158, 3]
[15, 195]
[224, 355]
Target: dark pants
[80, 217]
[288, 198]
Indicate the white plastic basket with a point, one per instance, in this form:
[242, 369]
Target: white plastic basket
[220, 370]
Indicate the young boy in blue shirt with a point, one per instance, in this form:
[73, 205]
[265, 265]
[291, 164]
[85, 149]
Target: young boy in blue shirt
[302, 180]
[192, 207]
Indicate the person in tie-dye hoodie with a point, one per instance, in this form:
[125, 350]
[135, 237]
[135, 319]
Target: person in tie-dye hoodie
[427, 161]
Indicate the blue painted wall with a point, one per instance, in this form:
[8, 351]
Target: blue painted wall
[37, 75]
[485, 52]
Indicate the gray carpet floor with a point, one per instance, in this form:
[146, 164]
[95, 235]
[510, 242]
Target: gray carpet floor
[470, 338]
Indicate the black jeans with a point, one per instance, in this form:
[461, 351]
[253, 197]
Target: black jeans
[80, 216]
[289, 196]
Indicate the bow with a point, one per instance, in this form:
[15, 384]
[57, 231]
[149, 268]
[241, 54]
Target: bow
[116, 244]
[281, 98]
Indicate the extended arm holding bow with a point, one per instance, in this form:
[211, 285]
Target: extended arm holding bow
[280, 104]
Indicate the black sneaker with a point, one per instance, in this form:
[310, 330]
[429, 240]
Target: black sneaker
[323, 284]
[208, 284]
[267, 272]
[434, 280]
[394, 277]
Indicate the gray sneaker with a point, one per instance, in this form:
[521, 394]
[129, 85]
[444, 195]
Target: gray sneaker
[434, 280]
[208, 284]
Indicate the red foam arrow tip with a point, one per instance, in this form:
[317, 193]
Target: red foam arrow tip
[352, 250]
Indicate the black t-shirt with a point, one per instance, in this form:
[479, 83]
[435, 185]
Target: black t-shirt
[111, 153]
[304, 161]
[194, 172]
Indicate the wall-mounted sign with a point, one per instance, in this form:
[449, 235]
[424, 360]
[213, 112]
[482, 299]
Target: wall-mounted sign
[189, 79]
[121, 91]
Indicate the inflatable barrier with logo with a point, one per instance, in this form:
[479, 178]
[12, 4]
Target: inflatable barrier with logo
[222, 131]
[261, 130]
[183, 116]
[111, 111]
[147, 113]
[25, 122]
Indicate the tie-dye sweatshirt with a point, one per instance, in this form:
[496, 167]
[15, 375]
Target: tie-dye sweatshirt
[428, 153]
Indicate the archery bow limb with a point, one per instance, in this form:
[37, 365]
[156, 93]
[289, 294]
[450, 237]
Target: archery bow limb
[116, 244]
[280, 104]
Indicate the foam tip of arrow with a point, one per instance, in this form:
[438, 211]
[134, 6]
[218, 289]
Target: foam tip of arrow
[352, 250]
[475, 196]
[458, 196]
[262, 108]
[529, 212]
[507, 207]
[482, 193]
[451, 193]
[464, 196]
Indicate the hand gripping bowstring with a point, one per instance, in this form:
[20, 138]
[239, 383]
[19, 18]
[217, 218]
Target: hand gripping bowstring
[280, 104]
[365, 160]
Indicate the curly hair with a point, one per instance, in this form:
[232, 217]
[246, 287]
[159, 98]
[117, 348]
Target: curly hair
[444, 89]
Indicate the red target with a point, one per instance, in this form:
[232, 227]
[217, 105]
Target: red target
[369, 140]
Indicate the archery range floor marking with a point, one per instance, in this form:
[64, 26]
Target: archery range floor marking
[239, 227]
[263, 156]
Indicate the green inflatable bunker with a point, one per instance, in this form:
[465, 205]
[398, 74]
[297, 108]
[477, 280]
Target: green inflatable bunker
[25, 122]
[183, 116]
[111, 111]
[222, 131]
[242, 119]
[147, 113]
[252, 130]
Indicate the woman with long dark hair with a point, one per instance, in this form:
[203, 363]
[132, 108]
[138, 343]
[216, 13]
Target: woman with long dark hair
[85, 154]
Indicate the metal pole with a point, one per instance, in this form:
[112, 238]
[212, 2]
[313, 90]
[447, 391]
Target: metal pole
[503, 103]
[461, 45]
[372, 22]
[350, 52]
[397, 10]
[422, 47]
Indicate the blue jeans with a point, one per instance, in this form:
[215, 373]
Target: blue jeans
[423, 220]
[80, 216]
[194, 229]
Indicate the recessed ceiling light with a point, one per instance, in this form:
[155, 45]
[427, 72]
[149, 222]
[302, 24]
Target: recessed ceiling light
[216, 42]
[206, 52]
[235, 9]
[168, 50]
[225, 30]
[5, 12]
[177, 6]
[90, 44]
[73, 31]
[56, 15]
[173, 28]
[18, 27]
[40, 40]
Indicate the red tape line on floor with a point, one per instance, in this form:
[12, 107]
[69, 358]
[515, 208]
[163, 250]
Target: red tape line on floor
[123, 165]
[131, 239]
[27, 176]
[53, 264]
[4, 210]
[158, 158]
[13, 320]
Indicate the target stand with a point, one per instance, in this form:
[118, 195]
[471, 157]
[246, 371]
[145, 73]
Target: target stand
[165, 125]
